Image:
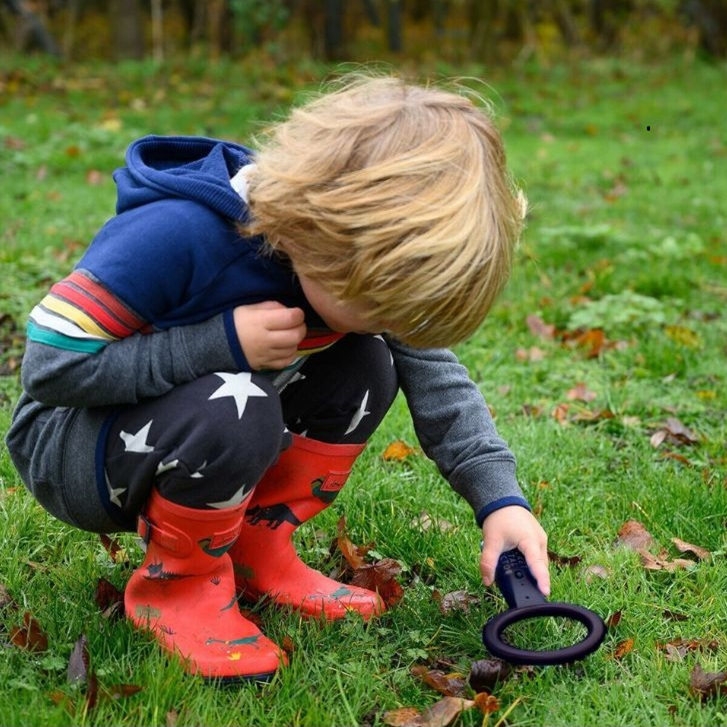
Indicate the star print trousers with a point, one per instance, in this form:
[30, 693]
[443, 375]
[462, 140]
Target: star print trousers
[207, 443]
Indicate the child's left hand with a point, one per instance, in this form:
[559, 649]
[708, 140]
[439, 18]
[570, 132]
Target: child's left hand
[515, 527]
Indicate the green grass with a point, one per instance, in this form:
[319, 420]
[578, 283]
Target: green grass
[626, 234]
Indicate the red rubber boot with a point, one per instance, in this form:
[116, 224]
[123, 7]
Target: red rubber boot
[184, 593]
[302, 483]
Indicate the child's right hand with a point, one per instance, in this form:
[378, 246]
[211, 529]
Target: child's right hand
[269, 333]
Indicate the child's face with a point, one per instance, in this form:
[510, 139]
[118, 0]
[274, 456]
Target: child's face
[339, 317]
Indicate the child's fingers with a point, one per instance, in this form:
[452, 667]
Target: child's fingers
[283, 319]
[537, 559]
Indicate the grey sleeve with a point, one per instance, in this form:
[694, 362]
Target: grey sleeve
[128, 370]
[455, 428]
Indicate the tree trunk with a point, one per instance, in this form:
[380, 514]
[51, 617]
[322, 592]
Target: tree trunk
[127, 28]
[333, 37]
[394, 29]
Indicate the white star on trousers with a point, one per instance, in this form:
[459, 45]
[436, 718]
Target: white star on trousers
[239, 387]
[137, 442]
[236, 499]
[360, 414]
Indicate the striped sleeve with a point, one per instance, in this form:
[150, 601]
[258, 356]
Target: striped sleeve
[80, 314]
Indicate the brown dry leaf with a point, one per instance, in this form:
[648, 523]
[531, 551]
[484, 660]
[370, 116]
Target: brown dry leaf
[677, 457]
[580, 392]
[674, 432]
[657, 438]
[560, 413]
[94, 177]
[569, 561]
[593, 340]
[398, 451]
[586, 416]
[381, 577]
[707, 685]
[532, 354]
[623, 648]
[354, 554]
[120, 691]
[487, 703]
[6, 600]
[288, 644]
[426, 522]
[634, 535]
[671, 615]
[539, 328]
[677, 649]
[451, 684]
[455, 601]
[403, 717]
[30, 635]
[444, 712]
[662, 562]
[109, 599]
[486, 673]
[684, 547]
[596, 571]
[116, 552]
[78, 663]
[614, 620]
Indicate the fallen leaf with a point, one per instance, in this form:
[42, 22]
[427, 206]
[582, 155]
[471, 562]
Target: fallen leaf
[455, 601]
[560, 413]
[677, 649]
[635, 536]
[684, 547]
[486, 673]
[402, 717]
[120, 691]
[707, 685]
[444, 712]
[425, 522]
[6, 600]
[684, 336]
[116, 551]
[29, 636]
[586, 416]
[662, 562]
[623, 648]
[109, 599]
[675, 432]
[593, 340]
[398, 451]
[539, 328]
[580, 392]
[596, 571]
[78, 662]
[487, 703]
[532, 354]
[451, 684]
[563, 560]
[614, 620]
[354, 554]
[670, 615]
[381, 577]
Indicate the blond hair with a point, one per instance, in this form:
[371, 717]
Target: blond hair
[394, 197]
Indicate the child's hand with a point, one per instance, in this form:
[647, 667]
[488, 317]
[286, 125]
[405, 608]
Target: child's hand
[269, 333]
[515, 527]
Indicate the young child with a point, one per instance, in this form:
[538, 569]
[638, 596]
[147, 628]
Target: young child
[216, 362]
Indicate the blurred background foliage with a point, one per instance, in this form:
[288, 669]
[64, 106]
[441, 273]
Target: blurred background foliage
[496, 32]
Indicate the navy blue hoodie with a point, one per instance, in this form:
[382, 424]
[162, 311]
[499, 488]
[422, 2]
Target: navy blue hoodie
[149, 307]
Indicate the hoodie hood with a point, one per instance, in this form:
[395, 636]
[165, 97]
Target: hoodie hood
[193, 168]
